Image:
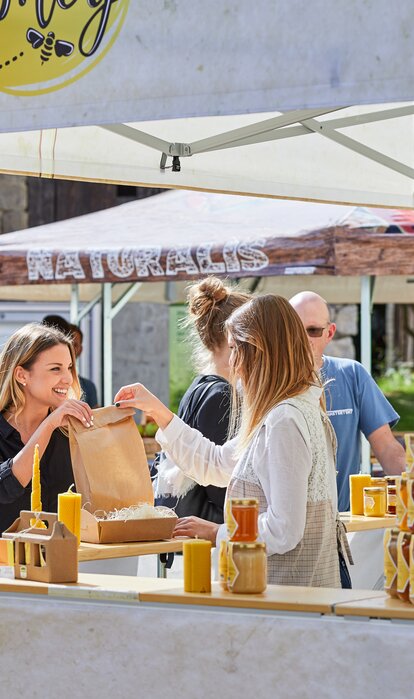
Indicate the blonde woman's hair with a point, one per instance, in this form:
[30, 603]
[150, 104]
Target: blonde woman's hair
[22, 349]
[272, 356]
[210, 303]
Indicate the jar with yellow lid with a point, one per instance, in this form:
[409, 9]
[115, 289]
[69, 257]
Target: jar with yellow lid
[241, 519]
[374, 502]
[378, 482]
[247, 567]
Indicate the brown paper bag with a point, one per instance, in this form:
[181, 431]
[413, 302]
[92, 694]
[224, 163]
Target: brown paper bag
[109, 461]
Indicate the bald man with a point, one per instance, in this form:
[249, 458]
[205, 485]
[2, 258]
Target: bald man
[353, 400]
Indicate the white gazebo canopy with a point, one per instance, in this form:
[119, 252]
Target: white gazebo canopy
[296, 100]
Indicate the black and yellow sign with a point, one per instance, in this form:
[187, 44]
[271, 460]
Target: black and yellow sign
[48, 44]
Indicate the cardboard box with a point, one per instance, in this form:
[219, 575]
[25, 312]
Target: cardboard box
[95, 531]
[45, 555]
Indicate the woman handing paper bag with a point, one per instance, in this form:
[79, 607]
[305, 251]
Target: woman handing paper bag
[111, 472]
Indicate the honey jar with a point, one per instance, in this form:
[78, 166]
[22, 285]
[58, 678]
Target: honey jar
[378, 482]
[241, 519]
[247, 567]
[374, 502]
[403, 563]
[391, 499]
[222, 564]
[390, 561]
[401, 483]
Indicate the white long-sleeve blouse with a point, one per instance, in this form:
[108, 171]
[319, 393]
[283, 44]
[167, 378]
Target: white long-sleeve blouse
[279, 454]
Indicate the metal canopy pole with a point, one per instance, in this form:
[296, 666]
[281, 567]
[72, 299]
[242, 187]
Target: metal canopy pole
[367, 291]
[74, 304]
[109, 312]
[276, 128]
[107, 343]
[89, 306]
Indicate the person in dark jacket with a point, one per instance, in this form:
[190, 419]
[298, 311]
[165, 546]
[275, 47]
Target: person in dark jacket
[39, 389]
[206, 403]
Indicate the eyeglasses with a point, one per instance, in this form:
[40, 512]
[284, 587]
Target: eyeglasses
[316, 332]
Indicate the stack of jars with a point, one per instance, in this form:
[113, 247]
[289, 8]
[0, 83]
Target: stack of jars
[242, 559]
[399, 542]
[372, 497]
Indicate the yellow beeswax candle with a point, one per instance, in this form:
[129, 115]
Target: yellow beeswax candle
[197, 565]
[69, 511]
[35, 501]
[357, 483]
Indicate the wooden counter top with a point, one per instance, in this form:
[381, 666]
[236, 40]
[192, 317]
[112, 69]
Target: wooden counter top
[97, 552]
[125, 588]
[308, 599]
[92, 586]
[358, 523]
[383, 607]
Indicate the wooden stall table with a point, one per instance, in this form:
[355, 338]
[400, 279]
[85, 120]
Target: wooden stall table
[359, 523]
[99, 552]
[290, 598]
[92, 586]
[383, 607]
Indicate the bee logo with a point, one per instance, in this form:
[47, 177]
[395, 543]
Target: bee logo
[48, 44]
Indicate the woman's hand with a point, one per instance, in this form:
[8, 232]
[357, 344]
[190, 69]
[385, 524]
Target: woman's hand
[195, 527]
[76, 408]
[137, 396]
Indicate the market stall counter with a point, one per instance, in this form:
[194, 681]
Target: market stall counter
[116, 633]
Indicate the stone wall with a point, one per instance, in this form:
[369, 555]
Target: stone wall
[13, 203]
[140, 347]
[346, 319]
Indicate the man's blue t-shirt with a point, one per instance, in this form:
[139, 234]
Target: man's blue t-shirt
[354, 403]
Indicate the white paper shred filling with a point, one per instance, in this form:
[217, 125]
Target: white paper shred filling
[142, 511]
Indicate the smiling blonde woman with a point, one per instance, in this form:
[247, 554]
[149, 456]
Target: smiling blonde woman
[39, 388]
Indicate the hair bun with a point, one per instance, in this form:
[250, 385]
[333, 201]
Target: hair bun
[205, 295]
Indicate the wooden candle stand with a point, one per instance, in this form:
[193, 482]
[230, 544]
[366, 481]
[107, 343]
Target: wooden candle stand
[45, 555]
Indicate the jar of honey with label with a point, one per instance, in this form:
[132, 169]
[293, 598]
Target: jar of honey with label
[374, 502]
[241, 519]
[391, 499]
[247, 567]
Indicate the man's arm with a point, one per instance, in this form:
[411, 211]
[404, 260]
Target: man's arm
[389, 452]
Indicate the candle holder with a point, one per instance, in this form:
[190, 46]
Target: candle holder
[47, 555]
